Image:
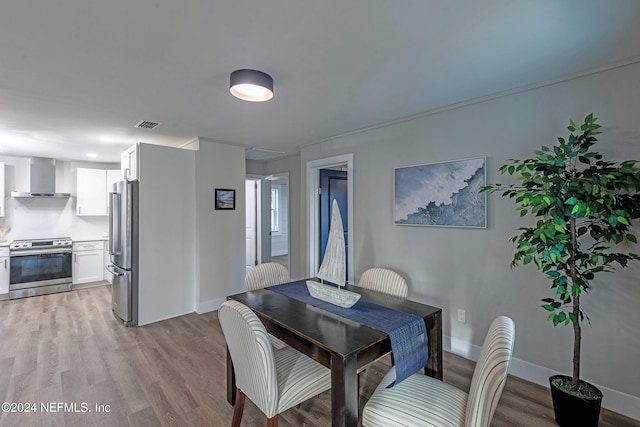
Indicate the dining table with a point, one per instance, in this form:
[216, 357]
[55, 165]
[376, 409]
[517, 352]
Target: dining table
[341, 344]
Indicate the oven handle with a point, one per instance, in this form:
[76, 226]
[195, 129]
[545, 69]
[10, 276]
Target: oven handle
[111, 269]
[40, 252]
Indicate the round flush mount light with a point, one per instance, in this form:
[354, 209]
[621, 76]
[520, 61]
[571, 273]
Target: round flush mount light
[251, 85]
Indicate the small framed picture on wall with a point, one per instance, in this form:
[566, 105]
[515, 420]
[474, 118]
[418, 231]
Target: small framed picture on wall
[225, 199]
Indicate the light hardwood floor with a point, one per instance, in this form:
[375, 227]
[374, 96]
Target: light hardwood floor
[69, 348]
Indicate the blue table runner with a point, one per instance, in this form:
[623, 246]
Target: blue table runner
[407, 332]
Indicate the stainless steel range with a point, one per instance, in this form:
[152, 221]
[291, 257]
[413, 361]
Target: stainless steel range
[40, 266]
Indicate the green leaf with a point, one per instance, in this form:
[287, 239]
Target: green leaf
[571, 201]
[623, 220]
[548, 307]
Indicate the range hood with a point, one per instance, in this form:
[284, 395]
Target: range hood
[42, 183]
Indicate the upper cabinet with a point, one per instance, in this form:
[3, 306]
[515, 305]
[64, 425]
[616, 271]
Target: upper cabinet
[93, 187]
[2, 201]
[129, 164]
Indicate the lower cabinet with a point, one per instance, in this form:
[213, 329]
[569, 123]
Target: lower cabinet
[4, 270]
[88, 262]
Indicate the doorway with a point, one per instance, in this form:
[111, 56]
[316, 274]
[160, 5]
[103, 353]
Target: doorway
[343, 162]
[333, 186]
[279, 217]
[267, 219]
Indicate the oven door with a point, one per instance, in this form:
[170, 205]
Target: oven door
[39, 268]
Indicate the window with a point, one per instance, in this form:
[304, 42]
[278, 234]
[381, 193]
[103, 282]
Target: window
[276, 221]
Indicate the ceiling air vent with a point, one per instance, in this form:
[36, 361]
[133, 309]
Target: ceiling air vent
[146, 124]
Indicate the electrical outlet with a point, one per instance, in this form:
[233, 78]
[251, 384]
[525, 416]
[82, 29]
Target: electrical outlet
[462, 316]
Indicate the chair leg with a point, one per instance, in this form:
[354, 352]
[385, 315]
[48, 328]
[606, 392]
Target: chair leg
[273, 421]
[237, 412]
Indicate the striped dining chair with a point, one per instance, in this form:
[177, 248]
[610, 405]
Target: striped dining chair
[424, 401]
[385, 281]
[274, 380]
[266, 274]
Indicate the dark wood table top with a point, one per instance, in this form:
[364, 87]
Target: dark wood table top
[324, 329]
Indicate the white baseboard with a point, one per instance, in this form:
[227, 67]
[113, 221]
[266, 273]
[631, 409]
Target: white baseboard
[613, 400]
[211, 305]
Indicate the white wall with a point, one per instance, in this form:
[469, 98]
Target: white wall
[220, 241]
[167, 232]
[469, 268]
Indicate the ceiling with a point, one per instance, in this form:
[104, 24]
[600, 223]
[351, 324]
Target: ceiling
[77, 75]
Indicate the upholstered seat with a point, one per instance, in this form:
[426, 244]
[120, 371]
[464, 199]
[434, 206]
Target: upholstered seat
[274, 380]
[266, 274]
[422, 401]
[385, 281]
[263, 275]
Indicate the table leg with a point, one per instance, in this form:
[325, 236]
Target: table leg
[434, 332]
[344, 392]
[231, 380]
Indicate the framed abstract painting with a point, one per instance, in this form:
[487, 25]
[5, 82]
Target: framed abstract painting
[445, 194]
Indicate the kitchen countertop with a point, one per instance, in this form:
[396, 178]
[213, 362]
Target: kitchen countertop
[90, 239]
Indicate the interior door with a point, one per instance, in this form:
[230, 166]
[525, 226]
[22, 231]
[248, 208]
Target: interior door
[251, 191]
[333, 185]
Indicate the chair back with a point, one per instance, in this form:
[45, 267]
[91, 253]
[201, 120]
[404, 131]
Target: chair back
[490, 373]
[266, 274]
[252, 355]
[385, 281]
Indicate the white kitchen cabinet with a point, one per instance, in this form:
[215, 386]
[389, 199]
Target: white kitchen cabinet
[93, 187]
[88, 261]
[91, 192]
[129, 163]
[2, 202]
[4, 270]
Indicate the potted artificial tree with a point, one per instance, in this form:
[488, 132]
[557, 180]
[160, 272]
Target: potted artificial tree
[583, 207]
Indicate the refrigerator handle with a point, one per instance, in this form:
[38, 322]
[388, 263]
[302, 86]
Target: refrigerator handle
[112, 270]
[114, 223]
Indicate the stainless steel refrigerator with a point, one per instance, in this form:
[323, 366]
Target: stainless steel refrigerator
[123, 250]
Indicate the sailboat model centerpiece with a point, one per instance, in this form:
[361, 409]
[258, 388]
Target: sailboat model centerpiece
[333, 268]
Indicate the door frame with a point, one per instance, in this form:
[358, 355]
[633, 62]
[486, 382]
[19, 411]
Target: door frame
[313, 209]
[258, 214]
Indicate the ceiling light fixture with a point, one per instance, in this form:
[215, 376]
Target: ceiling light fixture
[92, 155]
[251, 85]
